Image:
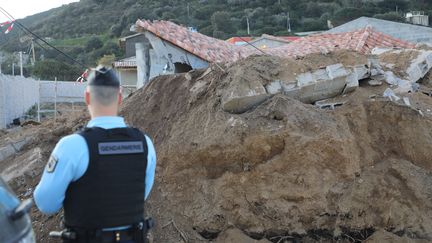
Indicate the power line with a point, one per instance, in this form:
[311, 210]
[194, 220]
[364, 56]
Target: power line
[10, 17]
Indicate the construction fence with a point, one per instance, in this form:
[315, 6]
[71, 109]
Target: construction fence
[23, 97]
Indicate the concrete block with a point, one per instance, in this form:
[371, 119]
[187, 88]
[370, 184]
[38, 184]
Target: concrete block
[321, 74]
[20, 144]
[337, 71]
[352, 83]
[321, 85]
[288, 85]
[420, 66]
[243, 95]
[306, 93]
[6, 152]
[429, 59]
[293, 93]
[274, 87]
[374, 82]
[305, 79]
[326, 104]
[361, 71]
[376, 72]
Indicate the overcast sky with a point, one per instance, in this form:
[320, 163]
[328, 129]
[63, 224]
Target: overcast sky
[22, 8]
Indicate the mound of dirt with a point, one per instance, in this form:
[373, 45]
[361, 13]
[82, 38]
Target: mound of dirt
[282, 171]
[285, 168]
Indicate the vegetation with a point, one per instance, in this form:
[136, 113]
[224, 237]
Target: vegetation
[89, 29]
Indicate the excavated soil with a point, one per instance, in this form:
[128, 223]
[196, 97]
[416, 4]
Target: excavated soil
[283, 171]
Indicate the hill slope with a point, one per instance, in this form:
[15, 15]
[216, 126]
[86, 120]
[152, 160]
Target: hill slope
[73, 26]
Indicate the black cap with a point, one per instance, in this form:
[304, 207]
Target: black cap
[103, 76]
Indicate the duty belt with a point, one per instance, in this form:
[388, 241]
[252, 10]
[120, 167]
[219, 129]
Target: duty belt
[136, 233]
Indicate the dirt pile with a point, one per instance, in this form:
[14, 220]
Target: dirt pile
[282, 171]
[285, 168]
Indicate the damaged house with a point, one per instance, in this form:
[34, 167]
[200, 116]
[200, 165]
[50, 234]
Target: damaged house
[167, 48]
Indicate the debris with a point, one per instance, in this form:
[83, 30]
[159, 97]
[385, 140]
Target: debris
[326, 104]
[30, 122]
[276, 163]
[391, 95]
[391, 79]
[374, 82]
[406, 101]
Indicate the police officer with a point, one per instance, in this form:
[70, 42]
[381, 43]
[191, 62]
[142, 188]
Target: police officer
[102, 174]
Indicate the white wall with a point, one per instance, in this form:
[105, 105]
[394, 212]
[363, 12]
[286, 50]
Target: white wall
[17, 96]
[66, 91]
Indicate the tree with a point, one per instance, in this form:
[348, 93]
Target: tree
[221, 22]
[50, 69]
[391, 16]
[93, 44]
[347, 14]
[107, 60]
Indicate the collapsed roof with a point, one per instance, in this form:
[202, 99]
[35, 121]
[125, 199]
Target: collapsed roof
[214, 50]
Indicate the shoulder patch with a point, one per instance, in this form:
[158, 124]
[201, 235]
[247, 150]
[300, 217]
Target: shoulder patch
[52, 164]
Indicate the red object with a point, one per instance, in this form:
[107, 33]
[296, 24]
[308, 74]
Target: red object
[9, 29]
[5, 23]
[234, 40]
[10, 25]
[83, 76]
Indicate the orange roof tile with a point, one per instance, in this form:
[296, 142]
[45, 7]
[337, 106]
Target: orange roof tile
[205, 47]
[215, 50]
[363, 41]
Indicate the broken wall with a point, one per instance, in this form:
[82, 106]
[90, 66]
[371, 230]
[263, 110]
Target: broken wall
[165, 51]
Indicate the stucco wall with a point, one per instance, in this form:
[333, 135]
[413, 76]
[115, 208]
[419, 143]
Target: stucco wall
[17, 96]
[128, 77]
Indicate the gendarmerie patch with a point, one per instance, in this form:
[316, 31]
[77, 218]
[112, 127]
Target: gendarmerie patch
[52, 164]
[111, 148]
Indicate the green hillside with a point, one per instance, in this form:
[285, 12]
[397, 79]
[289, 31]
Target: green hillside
[89, 29]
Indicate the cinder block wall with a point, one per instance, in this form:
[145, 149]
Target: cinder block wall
[18, 95]
[66, 91]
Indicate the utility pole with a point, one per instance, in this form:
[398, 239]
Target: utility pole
[13, 69]
[21, 64]
[33, 52]
[248, 27]
[288, 23]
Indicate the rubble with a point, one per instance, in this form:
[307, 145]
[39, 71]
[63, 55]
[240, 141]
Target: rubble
[326, 104]
[374, 82]
[321, 82]
[246, 156]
